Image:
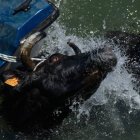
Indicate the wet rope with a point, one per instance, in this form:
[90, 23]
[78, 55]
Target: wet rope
[8, 58]
[14, 59]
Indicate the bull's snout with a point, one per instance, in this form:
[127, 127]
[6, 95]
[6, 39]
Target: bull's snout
[104, 58]
[108, 59]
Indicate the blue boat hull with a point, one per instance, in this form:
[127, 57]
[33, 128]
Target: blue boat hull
[15, 27]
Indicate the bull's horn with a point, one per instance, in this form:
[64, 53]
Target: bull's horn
[26, 48]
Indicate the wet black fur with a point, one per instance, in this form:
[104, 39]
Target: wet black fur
[53, 86]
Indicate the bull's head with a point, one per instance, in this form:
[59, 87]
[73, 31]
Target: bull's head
[62, 76]
[50, 83]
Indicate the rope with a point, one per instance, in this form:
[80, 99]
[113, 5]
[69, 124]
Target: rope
[8, 58]
[14, 59]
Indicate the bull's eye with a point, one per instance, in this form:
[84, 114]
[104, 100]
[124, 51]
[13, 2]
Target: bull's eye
[56, 58]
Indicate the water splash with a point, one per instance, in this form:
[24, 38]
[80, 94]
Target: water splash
[116, 86]
[117, 83]
[56, 41]
[58, 2]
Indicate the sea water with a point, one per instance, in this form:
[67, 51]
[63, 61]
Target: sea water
[113, 112]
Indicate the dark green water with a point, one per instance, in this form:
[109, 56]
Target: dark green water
[112, 120]
[86, 16]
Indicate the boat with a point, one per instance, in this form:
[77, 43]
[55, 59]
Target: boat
[19, 19]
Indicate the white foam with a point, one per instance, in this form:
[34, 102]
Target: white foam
[117, 84]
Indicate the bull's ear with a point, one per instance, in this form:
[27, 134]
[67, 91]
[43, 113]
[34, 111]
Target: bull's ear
[74, 47]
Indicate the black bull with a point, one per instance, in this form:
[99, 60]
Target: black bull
[54, 84]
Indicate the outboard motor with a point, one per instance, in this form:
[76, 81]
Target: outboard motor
[19, 19]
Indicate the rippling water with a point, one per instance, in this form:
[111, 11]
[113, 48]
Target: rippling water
[84, 17]
[113, 112]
